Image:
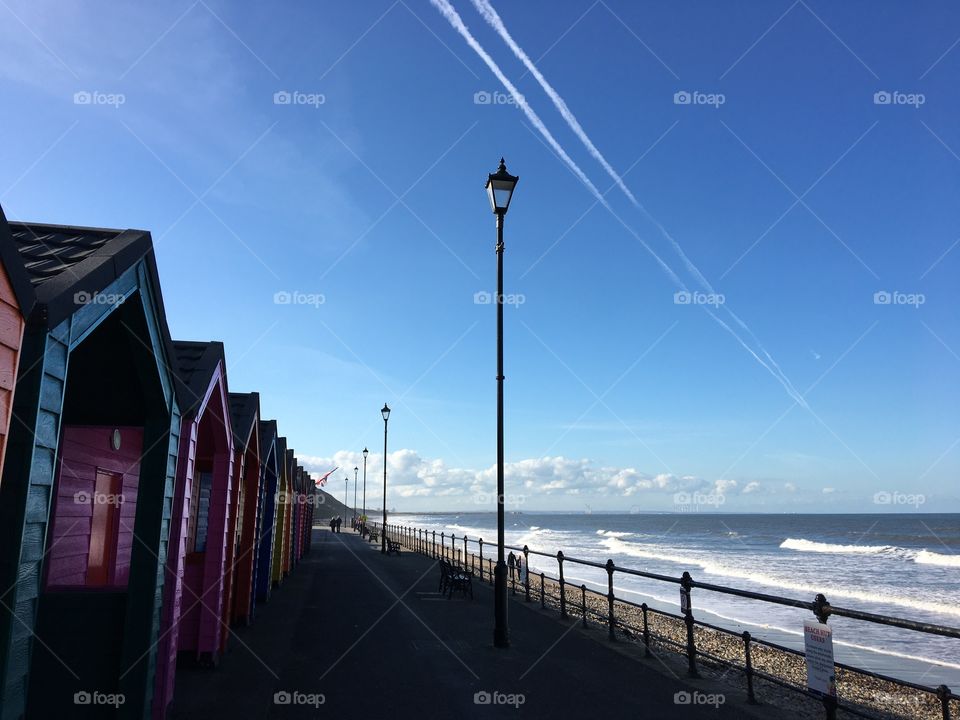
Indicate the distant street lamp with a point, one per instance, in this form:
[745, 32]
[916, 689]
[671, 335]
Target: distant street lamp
[346, 484]
[365, 453]
[385, 412]
[355, 497]
[500, 187]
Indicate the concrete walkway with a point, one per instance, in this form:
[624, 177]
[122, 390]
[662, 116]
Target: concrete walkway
[352, 630]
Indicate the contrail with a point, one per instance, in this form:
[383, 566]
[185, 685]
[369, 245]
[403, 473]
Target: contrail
[489, 14]
[453, 17]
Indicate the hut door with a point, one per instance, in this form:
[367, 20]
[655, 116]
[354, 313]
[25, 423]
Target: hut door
[104, 528]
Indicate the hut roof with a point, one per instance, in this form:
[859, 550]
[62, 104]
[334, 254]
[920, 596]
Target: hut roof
[244, 408]
[195, 364]
[62, 262]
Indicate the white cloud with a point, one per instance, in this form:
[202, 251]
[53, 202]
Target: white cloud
[412, 476]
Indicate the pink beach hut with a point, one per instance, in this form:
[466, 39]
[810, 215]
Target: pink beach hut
[191, 625]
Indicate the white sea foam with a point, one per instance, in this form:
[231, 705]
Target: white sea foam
[924, 557]
[712, 567]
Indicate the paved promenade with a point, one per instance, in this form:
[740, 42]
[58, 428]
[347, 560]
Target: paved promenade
[352, 630]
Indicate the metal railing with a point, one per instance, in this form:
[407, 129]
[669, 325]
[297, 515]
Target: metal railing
[456, 550]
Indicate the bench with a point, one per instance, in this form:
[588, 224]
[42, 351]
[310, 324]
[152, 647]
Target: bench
[393, 546]
[453, 578]
[373, 535]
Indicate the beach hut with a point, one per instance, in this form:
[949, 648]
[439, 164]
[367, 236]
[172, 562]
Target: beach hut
[242, 534]
[89, 466]
[311, 505]
[268, 511]
[289, 519]
[196, 565]
[16, 302]
[298, 515]
[281, 546]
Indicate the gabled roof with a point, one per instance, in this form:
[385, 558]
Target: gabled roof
[244, 411]
[62, 262]
[16, 272]
[282, 465]
[268, 437]
[195, 364]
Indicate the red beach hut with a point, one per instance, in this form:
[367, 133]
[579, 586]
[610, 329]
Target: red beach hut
[193, 593]
[242, 535]
[89, 465]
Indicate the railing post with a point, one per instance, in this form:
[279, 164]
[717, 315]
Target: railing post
[943, 692]
[646, 631]
[686, 584]
[480, 543]
[748, 668]
[433, 545]
[542, 598]
[526, 578]
[443, 546]
[611, 620]
[563, 594]
[821, 608]
[583, 603]
[464, 551]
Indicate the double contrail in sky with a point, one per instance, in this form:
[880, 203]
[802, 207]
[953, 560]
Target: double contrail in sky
[492, 18]
[453, 17]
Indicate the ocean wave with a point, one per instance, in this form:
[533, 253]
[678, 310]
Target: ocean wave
[614, 533]
[924, 557]
[711, 567]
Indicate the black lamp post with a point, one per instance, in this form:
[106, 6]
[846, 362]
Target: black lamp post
[355, 471]
[346, 484]
[365, 453]
[383, 530]
[500, 186]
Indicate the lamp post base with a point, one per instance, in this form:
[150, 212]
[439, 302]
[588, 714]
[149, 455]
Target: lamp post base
[501, 632]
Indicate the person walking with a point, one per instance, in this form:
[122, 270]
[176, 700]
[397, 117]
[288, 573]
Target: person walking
[339, 520]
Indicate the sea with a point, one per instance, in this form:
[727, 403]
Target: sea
[900, 565]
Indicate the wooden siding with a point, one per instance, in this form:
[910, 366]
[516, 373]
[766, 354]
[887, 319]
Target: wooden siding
[11, 337]
[84, 451]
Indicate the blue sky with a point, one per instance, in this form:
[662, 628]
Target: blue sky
[795, 190]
